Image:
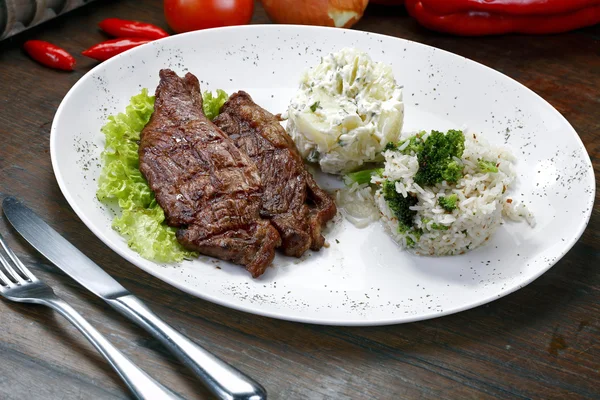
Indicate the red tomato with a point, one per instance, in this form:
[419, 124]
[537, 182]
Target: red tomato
[191, 15]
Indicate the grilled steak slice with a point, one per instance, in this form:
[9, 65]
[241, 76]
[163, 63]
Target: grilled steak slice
[293, 202]
[204, 183]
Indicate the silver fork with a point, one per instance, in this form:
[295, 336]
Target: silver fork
[18, 284]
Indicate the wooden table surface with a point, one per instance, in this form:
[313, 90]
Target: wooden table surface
[542, 341]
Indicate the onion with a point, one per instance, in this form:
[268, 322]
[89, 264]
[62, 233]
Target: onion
[338, 13]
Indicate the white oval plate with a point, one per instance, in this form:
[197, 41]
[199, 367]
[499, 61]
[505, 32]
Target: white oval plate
[363, 278]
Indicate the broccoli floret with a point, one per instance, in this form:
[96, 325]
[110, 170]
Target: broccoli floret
[439, 227]
[390, 146]
[416, 233]
[415, 144]
[436, 158]
[361, 177]
[448, 203]
[400, 205]
[436, 226]
[487, 166]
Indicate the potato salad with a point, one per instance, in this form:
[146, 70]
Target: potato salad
[347, 109]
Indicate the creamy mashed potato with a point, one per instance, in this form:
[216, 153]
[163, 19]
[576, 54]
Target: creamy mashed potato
[347, 109]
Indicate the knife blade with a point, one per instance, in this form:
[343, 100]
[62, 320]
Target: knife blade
[222, 379]
[62, 253]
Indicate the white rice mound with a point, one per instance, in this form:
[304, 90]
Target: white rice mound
[483, 200]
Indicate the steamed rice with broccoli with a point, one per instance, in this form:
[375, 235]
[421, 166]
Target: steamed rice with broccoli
[438, 193]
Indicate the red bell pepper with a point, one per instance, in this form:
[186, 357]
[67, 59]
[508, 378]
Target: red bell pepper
[492, 17]
[49, 55]
[110, 48]
[527, 7]
[125, 28]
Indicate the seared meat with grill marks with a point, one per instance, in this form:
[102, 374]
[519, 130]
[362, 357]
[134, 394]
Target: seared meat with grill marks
[207, 187]
[293, 202]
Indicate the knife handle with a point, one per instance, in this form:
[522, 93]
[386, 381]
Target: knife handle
[141, 384]
[222, 379]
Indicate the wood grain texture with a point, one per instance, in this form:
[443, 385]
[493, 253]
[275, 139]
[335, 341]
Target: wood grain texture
[540, 342]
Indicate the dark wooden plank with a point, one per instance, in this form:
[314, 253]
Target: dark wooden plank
[540, 342]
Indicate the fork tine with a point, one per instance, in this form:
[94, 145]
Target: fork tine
[20, 266]
[8, 271]
[4, 281]
[7, 265]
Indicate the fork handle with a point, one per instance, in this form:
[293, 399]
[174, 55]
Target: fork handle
[140, 383]
[222, 379]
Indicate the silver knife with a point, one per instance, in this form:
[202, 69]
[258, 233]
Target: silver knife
[222, 379]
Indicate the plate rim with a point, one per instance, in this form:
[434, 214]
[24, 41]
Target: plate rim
[131, 258]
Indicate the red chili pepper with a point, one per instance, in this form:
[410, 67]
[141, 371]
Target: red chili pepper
[49, 55]
[105, 50]
[493, 17]
[125, 28]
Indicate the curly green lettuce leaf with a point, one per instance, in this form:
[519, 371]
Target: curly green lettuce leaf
[211, 105]
[148, 235]
[142, 220]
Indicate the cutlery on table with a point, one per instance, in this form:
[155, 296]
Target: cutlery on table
[221, 379]
[18, 284]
